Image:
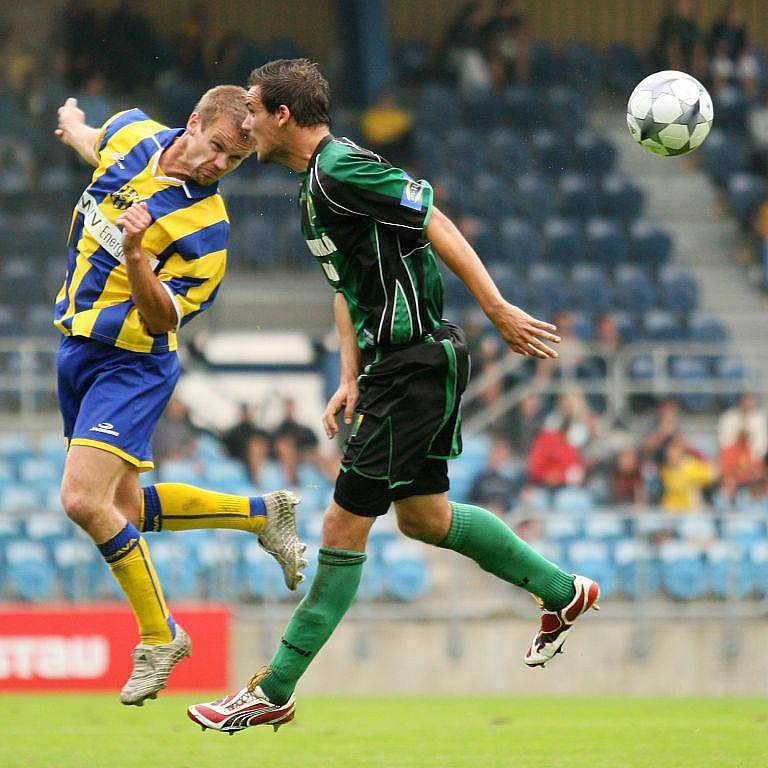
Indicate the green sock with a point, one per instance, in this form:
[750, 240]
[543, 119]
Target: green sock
[316, 616]
[491, 543]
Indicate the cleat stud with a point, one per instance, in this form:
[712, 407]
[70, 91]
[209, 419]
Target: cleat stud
[231, 733]
[595, 607]
[202, 728]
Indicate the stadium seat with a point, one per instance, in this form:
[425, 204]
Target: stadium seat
[536, 197]
[261, 580]
[545, 65]
[594, 154]
[635, 291]
[637, 568]
[573, 500]
[490, 197]
[16, 498]
[225, 473]
[722, 155]
[177, 567]
[663, 326]
[758, 561]
[553, 151]
[76, 562]
[29, 572]
[706, 327]
[732, 370]
[679, 292]
[509, 155]
[219, 557]
[578, 196]
[563, 528]
[651, 245]
[630, 328]
[592, 559]
[509, 280]
[699, 529]
[620, 199]
[605, 527]
[732, 107]
[592, 289]
[523, 107]
[624, 67]
[521, 242]
[692, 368]
[547, 291]
[567, 110]
[406, 573]
[606, 242]
[581, 65]
[178, 471]
[684, 574]
[565, 241]
[730, 574]
[746, 192]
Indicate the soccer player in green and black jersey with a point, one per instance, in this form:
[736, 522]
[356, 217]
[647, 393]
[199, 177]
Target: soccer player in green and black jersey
[377, 234]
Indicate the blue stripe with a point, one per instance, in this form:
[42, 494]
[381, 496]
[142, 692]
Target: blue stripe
[92, 285]
[109, 321]
[133, 163]
[200, 243]
[60, 309]
[131, 116]
[258, 507]
[160, 342]
[119, 546]
[203, 307]
[168, 200]
[153, 515]
[181, 286]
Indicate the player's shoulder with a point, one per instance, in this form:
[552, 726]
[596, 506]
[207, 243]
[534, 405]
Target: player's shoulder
[128, 127]
[341, 157]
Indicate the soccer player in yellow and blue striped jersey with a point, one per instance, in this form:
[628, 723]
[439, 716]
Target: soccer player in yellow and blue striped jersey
[146, 253]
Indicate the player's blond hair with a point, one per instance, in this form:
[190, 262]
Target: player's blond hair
[222, 101]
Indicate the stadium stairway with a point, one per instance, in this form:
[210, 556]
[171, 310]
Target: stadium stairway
[707, 243]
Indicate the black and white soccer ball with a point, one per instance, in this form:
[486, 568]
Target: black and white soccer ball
[670, 113]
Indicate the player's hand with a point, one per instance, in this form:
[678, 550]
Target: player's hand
[525, 334]
[135, 222]
[346, 397]
[70, 116]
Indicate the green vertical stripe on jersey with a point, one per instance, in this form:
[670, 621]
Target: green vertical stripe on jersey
[450, 392]
[402, 324]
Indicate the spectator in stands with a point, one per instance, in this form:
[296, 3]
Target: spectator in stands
[573, 352]
[740, 466]
[129, 46]
[294, 442]
[680, 39]
[743, 72]
[554, 461]
[466, 49]
[525, 422]
[237, 439]
[745, 416]
[508, 44]
[627, 485]
[666, 428]
[730, 31]
[174, 437]
[683, 478]
[388, 127]
[81, 41]
[496, 488]
[760, 227]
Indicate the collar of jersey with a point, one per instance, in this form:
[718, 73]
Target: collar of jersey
[318, 149]
[191, 188]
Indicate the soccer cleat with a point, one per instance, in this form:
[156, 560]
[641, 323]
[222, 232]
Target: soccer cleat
[241, 710]
[152, 664]
[279, 536]
[553, 632]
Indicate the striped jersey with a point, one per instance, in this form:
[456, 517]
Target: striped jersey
[186, 241]
[364, 221]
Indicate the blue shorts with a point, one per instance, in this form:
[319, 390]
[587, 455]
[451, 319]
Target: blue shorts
[111, 398]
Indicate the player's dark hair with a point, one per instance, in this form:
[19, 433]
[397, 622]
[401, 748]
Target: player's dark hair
[297, 83]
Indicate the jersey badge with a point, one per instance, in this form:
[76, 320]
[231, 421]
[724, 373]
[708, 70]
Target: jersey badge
[413, 195]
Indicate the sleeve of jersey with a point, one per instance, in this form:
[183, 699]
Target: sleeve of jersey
[193, 273]
[116, 123]
[358, 187]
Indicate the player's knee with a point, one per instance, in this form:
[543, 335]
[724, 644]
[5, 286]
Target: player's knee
[414, 526]
[80, 507]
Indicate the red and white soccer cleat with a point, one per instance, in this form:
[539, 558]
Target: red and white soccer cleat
[243, 709]
[553, 632]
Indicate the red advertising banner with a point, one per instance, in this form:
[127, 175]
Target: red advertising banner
[89, 648]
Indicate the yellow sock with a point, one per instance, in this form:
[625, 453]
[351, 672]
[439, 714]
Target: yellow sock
[129, 560]
[179, 507]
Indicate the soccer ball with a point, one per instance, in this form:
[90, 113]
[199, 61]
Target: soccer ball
[670, 113]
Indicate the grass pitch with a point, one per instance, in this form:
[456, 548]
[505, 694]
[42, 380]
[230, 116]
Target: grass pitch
[95, 731]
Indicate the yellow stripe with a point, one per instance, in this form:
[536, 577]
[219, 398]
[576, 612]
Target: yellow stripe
[143, 466]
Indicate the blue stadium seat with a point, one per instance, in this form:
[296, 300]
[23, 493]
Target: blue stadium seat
[177, 567]
[573, 500]
[635, 291]
[508, 151]
[29, 571]
[225, 473]
[624, 67]
[178, 471]
[592, 289]
[630, 328]
[651, 245]
[77, 563]
[581, 64]
[376, 576]
[565, 240]
[663, 326]
[547, 291]
[261, 578]
[219, 557]
[524, 108]
[545, 65]
[746, 191]
[641, 367]
[521, 242]
[509, 280]
[684, 573]
[637, 568]
[592, 559]
[536, 197]
[594, 154]
[554, 153]
[605, 527]
[730, 369]
[567, 110]
[679, 292]
[16, 498]
[703, 326]
[620, 199]
[563, 528]
[439, 105]
[491, 196]
[406, 572]
[730, 573]
[578, 196]
[758, 561]
[692, 368]
[606, 242]
[722, 155]
[732, 108]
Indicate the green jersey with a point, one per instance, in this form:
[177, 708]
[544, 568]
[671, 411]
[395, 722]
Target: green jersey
[364, 221]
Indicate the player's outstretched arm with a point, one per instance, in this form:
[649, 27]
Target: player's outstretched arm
[524, 334]
[347, 394]
[74, 132]
[155, 306]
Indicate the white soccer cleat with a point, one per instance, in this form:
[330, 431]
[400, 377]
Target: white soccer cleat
[241, 710]
[279, 536]
[152, 665]
[555, 625]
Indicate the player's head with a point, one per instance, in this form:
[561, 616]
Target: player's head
[216, 143]
[285, 96]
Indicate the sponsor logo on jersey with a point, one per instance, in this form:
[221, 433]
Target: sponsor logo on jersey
[106, 428]
[118, 158]
[50, 657]
[413, 195]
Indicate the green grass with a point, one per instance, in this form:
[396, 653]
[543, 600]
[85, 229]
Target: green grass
[95, 731]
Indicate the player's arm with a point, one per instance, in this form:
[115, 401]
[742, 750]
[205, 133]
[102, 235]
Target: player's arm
[347, 394]
[153, 301]
[76, 133]
[523, 333]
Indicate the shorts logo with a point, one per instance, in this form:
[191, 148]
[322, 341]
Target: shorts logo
[124, 198]
[413, 195]
[106, 428]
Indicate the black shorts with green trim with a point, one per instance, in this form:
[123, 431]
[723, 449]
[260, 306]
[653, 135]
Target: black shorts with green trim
[407, 425]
